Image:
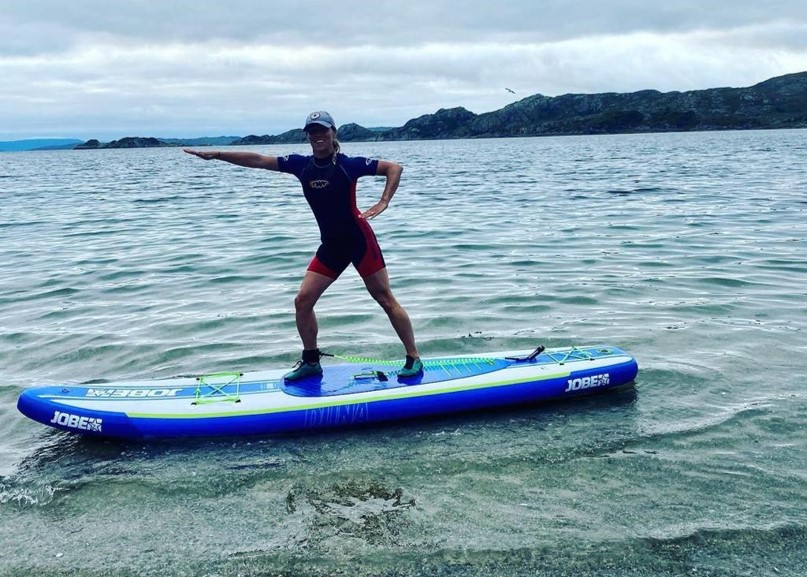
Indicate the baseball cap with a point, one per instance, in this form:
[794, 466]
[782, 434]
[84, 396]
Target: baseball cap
[320, 117]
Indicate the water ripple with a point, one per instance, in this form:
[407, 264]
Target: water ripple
[685, 249]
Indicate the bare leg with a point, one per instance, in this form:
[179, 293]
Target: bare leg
[314, 284]
[379, 288]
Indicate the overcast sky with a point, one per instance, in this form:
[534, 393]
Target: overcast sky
[112, 68]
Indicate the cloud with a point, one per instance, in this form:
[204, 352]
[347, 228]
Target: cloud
[321, 22]
[100, 69]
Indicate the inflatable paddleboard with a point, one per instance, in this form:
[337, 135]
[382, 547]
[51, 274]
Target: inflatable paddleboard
[348, 393]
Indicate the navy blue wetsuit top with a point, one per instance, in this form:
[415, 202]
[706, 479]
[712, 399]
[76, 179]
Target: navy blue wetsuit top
[330, 189]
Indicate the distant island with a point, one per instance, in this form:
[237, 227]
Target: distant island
[780, 102]
[38, 144]
[151, 142]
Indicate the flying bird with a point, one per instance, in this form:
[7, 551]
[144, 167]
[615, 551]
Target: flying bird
[508, 90]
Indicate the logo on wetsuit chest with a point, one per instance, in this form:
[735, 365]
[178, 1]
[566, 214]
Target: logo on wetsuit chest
[319, 183]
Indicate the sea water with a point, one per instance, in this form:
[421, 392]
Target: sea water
[687, 250]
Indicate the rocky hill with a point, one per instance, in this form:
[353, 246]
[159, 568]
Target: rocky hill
[127, 142]
[780, 102]
[776, 103]
[347, 133]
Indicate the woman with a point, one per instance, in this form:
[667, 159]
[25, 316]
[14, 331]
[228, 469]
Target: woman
[329, 180]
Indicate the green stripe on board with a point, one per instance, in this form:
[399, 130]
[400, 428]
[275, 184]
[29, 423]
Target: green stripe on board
[348, 401]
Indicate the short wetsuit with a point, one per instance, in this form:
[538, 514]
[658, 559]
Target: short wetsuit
[331, 193]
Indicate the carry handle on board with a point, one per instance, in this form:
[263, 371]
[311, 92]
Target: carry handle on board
[529, 358]
[378, 375]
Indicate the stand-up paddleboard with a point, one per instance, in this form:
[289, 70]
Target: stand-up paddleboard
[350, 393]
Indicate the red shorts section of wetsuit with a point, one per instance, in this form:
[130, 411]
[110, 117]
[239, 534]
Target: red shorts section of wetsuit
[332, 259]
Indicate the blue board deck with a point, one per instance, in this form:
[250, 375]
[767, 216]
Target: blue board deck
[348, 393]
[349, 378]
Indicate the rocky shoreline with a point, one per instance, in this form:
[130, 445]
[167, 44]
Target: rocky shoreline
[780, 102]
